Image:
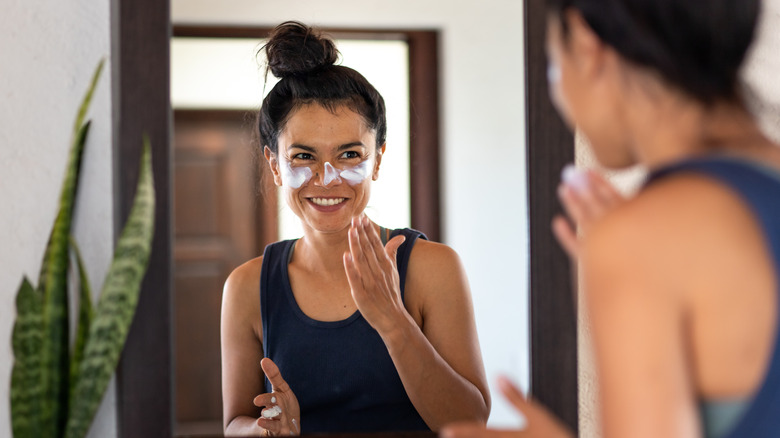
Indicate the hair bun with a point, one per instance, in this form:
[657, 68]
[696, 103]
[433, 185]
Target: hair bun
[295, 49]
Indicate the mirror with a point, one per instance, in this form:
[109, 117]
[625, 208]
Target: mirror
[484, 162]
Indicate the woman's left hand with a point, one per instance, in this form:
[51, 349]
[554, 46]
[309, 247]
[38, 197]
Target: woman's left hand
[373, 277]
[539, 422]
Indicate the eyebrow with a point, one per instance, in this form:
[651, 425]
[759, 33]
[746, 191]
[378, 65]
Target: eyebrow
[312, 149]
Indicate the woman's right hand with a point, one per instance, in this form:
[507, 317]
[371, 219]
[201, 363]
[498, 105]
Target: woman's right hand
[586, 196]
[282, 414]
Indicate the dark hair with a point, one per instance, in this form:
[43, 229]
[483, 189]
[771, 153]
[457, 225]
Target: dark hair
[304, 60]
[696, 46]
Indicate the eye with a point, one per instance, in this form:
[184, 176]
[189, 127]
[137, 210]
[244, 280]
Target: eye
[350, 155]
[303, 156]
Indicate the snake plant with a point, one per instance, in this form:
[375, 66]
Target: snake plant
[56, 389]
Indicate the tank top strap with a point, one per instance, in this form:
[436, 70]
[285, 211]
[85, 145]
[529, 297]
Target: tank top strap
[274, 261]
[759, 187]
[405, 251]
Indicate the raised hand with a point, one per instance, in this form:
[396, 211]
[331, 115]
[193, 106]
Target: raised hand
[539, 422]
[586, 196]
[373, 277]
[282, 414]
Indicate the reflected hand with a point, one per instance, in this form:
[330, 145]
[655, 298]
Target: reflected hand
[373, 277]
[282, 414]
[539, 421]
[586, 196]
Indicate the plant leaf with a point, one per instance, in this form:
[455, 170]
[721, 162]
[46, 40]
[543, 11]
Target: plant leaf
[26, 384]
[53, 284]
[87, 99]
[86, 313]
[117, 304]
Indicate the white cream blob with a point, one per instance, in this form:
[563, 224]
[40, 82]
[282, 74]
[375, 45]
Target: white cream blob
[294, 177]
[272, 412]
[330, 175]
[356, 175]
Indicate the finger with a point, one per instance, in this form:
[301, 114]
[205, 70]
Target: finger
[604, 190]
[566, 235]
[539, 421]
[359, 259]
[353, 274]
[263, 400]
[476, 430]
[273, 427]
[573, 203]
[372, 247]
[391, 249]
[512, 393]
[274, 376]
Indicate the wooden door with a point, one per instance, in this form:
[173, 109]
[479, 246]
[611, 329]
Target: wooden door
[223, 216]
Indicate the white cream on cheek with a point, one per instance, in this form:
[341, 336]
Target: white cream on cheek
[356, 175]
[294, 177]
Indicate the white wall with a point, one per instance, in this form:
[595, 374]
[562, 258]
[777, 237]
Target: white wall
[483, 150]
[50, 49]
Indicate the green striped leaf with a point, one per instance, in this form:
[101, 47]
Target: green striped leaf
[86, 313]
[117, 304]
[26, 383]
[53, 284]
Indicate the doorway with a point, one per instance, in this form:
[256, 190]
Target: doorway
[226, 209]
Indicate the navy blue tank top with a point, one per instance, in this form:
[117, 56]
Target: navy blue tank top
[340, 371]
[759, 187]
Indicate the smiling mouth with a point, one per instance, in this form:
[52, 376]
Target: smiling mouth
[327, 202]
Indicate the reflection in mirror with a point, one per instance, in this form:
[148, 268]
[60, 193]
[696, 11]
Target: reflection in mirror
[226, 207]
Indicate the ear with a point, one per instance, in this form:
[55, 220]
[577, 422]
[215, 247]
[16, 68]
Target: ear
[590, 53]
[273, 163]
[379, 152]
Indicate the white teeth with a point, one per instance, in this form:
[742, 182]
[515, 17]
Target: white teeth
[327, 201]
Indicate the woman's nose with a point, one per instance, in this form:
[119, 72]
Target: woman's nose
[329, 176]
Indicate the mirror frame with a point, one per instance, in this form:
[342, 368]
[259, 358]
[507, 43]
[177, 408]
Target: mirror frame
[552, 282]
[140, 61]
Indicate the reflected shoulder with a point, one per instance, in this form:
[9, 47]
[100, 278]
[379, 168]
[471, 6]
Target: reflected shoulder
[244, 280]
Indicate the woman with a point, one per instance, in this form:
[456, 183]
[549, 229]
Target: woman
[352, 333]
[680, 282]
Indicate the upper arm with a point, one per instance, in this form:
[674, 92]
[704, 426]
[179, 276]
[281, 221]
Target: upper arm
[437, 278]
[638, 322]
[241, 342]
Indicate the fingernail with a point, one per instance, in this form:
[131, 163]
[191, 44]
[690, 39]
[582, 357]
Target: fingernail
[273, 399]
[574, 177]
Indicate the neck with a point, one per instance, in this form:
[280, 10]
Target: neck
[672, 128]
[322, 252]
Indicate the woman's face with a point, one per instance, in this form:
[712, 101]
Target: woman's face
[585, 82]
[325, 162]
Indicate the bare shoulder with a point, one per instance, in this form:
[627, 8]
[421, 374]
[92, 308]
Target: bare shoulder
[241, 293]
[433, 255]
[682, 221]
[435, 274]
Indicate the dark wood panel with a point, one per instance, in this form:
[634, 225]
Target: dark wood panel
[216, 168]
[140, 74]
[552, 306]
[424, 129]
[198, 302]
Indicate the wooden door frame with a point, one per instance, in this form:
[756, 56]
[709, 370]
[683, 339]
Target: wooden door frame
[553, 310]
[141, 32]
